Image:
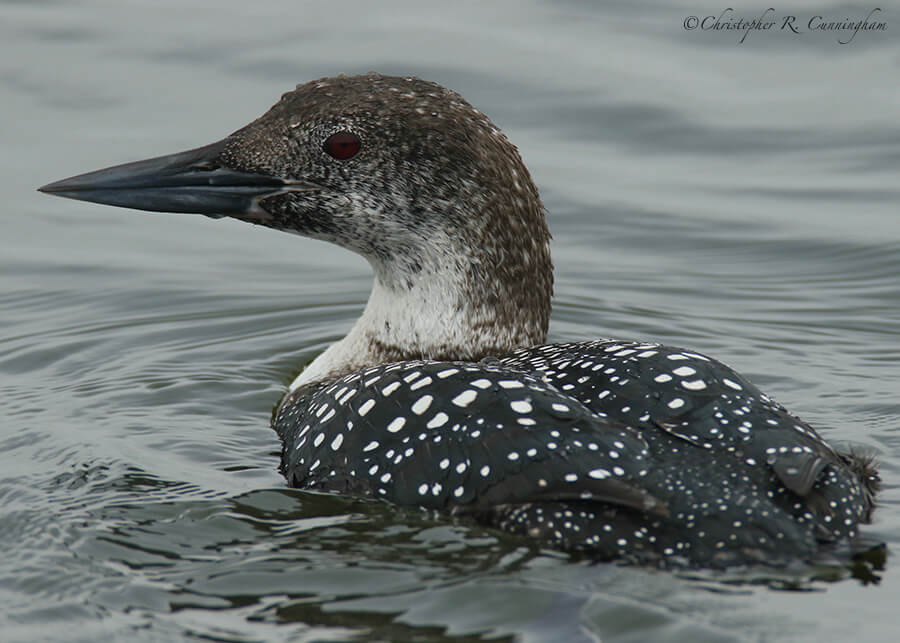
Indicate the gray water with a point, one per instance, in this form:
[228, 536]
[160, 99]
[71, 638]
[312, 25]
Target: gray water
[738, 199]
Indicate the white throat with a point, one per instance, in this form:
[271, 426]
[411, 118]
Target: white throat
[428, 320]
[481, 292]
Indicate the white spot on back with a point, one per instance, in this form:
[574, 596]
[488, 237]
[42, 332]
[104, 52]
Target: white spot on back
[423, 382]
[421, 405]
[396, 424]
[438, 420]
[521, 406]
[465, 398]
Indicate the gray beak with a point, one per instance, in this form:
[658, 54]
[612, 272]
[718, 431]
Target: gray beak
[189, 182]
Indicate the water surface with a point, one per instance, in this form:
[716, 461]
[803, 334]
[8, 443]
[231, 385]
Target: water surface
[739, 199]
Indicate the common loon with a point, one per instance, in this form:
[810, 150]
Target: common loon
[443, 395]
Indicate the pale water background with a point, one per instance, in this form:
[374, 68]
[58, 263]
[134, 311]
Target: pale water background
[739, 199]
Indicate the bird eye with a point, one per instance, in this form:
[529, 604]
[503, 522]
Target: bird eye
[342, 145]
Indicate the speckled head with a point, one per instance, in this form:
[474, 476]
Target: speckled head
[430, 168]
[400, 170]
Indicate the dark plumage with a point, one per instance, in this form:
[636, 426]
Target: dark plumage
[618, 449]
[441, 396]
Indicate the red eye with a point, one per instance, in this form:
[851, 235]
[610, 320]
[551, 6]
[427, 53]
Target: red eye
[342, 145]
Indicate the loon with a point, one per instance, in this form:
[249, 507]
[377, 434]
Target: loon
[444, 396]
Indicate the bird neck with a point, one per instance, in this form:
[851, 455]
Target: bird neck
[467, 295]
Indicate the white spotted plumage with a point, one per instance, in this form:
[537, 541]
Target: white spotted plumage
[514, 417]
